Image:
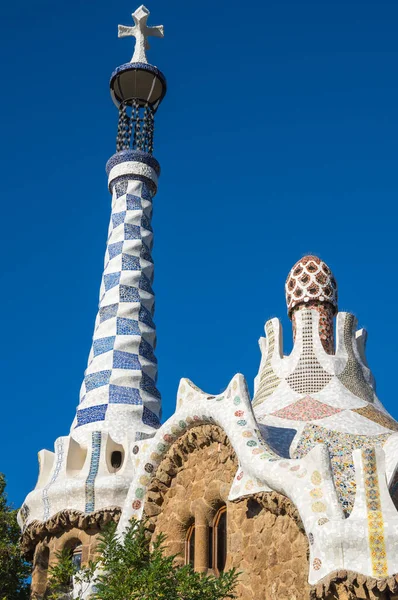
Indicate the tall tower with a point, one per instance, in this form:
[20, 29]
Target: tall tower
[85, 480]
[119, 393]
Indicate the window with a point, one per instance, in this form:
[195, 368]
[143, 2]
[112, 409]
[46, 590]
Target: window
[77, 557]
[210, 548]
[116, 459]
[220, 540]
[215, 540]
[190, 546]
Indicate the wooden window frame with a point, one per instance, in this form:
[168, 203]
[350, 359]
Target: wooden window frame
[221, 511]
[188, 536]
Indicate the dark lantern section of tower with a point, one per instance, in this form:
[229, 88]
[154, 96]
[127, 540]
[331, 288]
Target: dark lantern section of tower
[137, 88]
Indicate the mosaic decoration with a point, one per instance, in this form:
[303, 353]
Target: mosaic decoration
[91, 414]
[59, 457]
[306, 409]
[317, 563]
[278, 438]
[268, 380]
[120, 402]
[370, 412]
[309, 376]
[310, 279]
[352, 376]
[377, 543]
[340, 446]
[122, 367]
[325, 323]
[94, 464]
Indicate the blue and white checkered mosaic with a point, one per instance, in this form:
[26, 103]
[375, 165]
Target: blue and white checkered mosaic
[122, 367]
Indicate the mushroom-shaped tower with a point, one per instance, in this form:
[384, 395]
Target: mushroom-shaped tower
[319, 392]
[310, 283]
[85, 480]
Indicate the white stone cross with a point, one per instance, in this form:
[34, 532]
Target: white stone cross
[141, 32]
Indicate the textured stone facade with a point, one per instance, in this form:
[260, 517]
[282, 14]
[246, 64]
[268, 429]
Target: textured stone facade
[265, 539]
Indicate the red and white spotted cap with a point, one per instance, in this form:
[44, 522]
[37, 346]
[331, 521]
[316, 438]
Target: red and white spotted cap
[310, 280]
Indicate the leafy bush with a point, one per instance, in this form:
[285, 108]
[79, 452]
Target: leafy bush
[137, 569]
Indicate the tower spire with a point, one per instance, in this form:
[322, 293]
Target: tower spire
[120, 404]
[119, 388]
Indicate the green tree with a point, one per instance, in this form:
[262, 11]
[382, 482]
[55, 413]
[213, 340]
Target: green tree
[62, 574]
[138, 569]
[14, 570]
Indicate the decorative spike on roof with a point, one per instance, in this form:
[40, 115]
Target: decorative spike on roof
[310, 280]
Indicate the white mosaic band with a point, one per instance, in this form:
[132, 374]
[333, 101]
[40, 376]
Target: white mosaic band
[133, 168]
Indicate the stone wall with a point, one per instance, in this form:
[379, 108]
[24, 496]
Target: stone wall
[265, 539]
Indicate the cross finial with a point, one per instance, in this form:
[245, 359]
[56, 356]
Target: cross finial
[141, 32]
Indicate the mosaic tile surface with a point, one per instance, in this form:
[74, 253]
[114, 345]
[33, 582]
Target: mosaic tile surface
[376, 537]
[325, 323]
[122, 367]
[352, 376]
[268, 379]
[309, 376]
[94, 464]
[340, 446]
[279, 439]
[370, 412]
[306, 409]
[59, 458]
[310, 279]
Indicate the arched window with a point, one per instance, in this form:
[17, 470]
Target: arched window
[77, 557]
[214, 537]
[219, 554]
[190, 546]
[74, 550]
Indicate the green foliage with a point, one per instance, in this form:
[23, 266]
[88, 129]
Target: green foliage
[137, 569]
[60, 575]
[14, 570]
[63, 571]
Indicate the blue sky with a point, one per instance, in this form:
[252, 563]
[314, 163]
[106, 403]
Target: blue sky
[278, 137]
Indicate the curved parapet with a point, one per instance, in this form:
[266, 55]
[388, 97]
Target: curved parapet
[341, 380]
[322, 397]
[271, 348]
[79, 477]
[309, 481]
